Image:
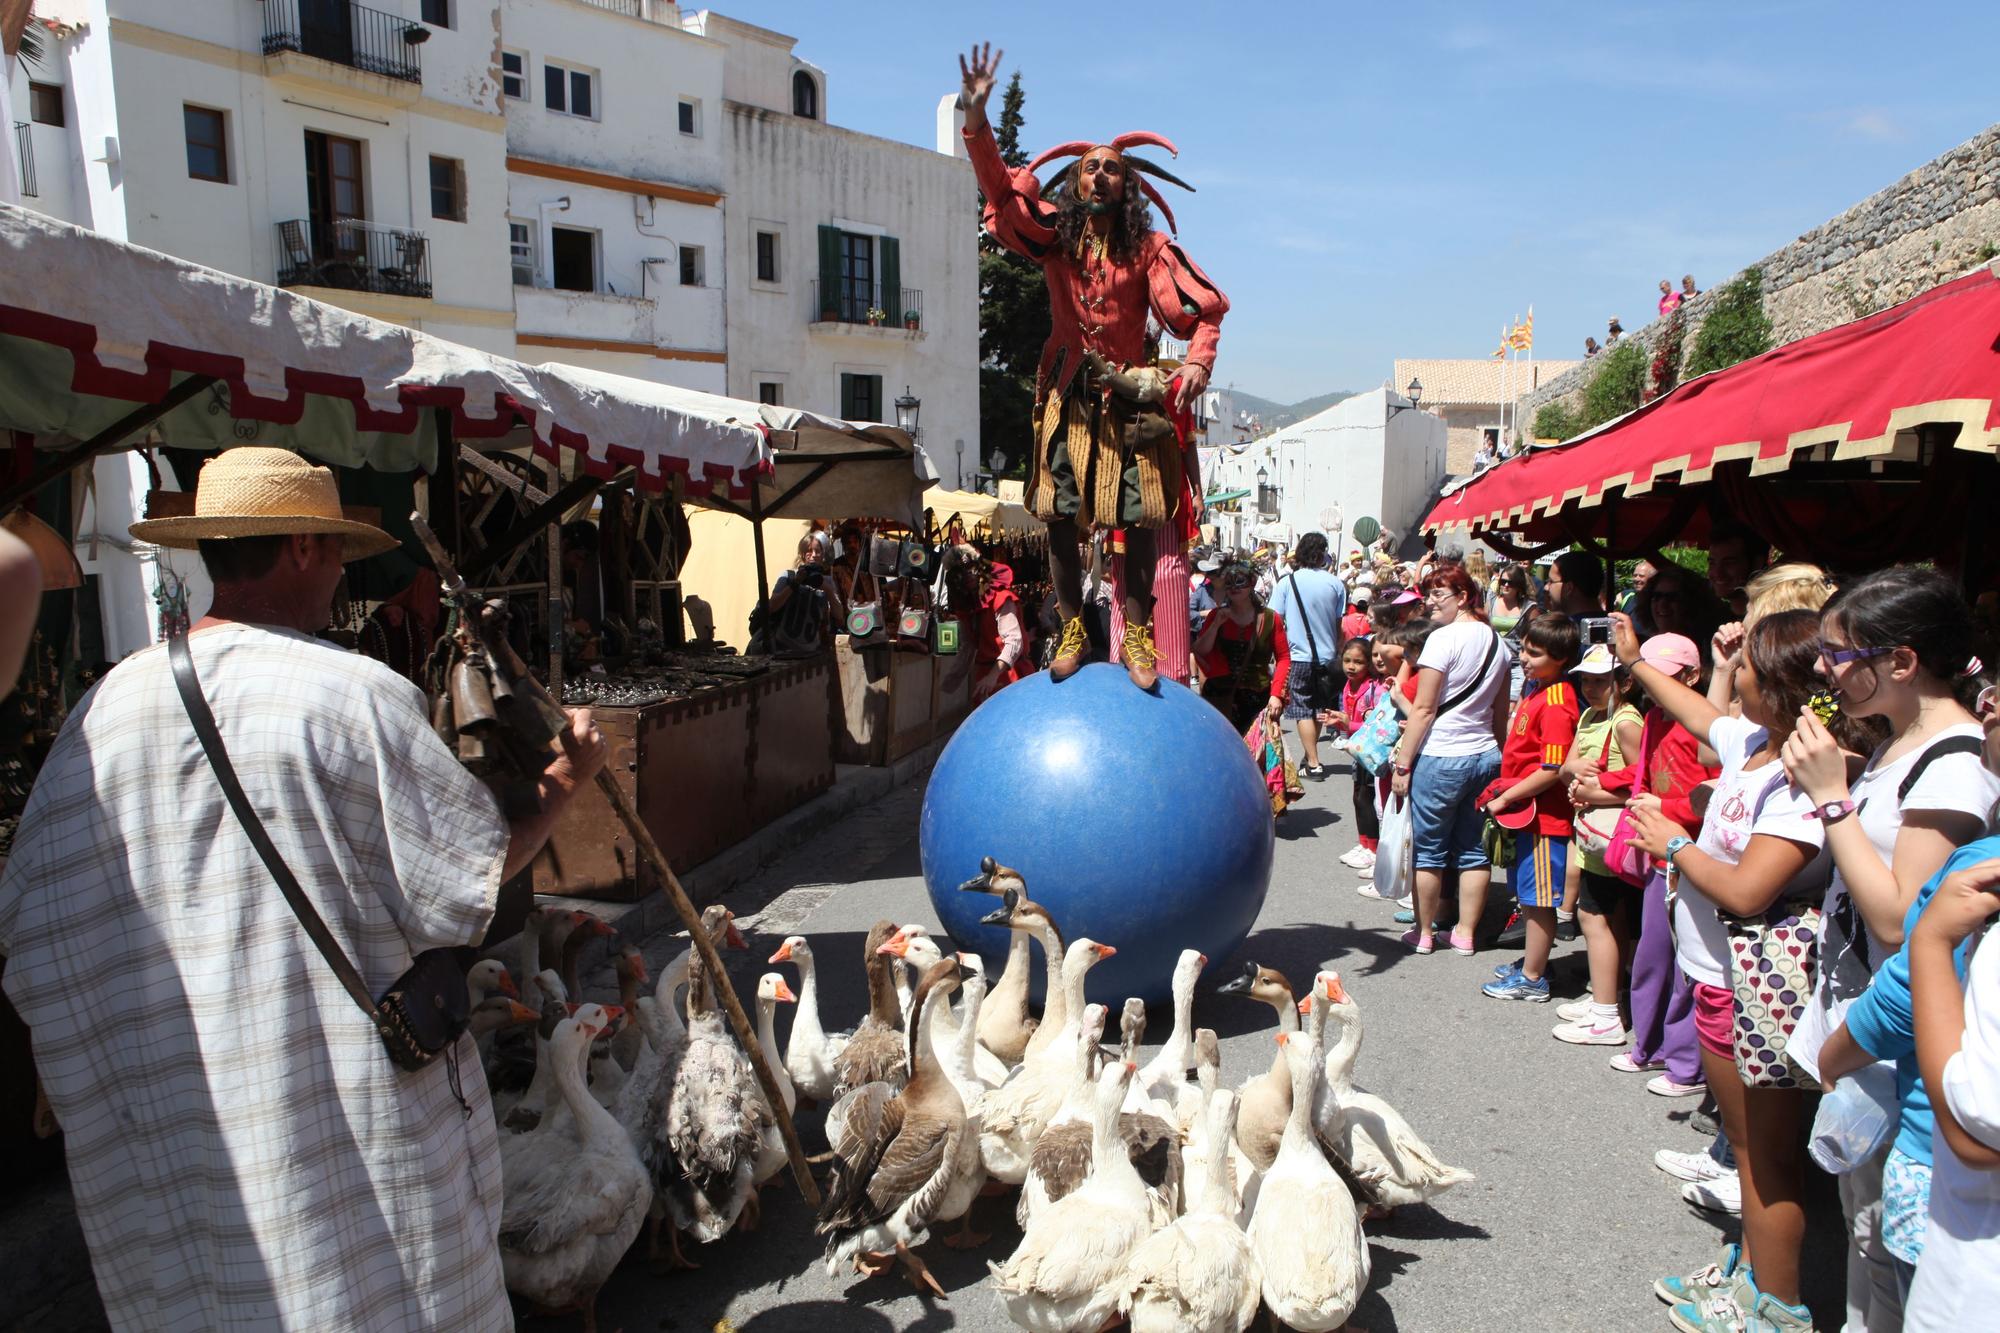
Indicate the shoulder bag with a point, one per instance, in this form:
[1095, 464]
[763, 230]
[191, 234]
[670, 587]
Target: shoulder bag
[1773, 967]
[864, 619]
[424, 1011]
[1593, 827]
[1322, 680]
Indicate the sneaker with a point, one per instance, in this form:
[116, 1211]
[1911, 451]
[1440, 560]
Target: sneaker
[1405, 918]
[1317, 772]
[1505, 970]
[1355, 857]
[1418, 941]
[1518, 987]
[1566, 927]
[1366, 865]
[1407, 902]
[1662, 1086]
[1463, 944]
[1723, 1195]
[1366, 888]
[1625, 1063]
[1738, 1307]
[1698, 1287]
[1575, 1011]
[1703, 1121]
[1690, 1165]
[1587, 1031]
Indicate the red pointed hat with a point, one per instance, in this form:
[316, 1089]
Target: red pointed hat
[1144, 168]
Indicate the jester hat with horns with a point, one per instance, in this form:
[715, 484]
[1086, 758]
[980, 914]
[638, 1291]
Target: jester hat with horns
[1141, 167]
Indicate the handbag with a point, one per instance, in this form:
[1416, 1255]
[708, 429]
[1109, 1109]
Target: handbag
[1773, 964]
[424, 1011]
[1322, 680]
[944, 636]
[865, 618]
[1591, 829]
[1375, 742]
[914, 623]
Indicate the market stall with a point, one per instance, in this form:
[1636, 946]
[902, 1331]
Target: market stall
[1866, 443]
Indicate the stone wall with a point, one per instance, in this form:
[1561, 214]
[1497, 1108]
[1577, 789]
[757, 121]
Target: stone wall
[1932, 225]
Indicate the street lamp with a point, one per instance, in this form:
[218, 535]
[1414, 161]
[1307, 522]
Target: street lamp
[1415, 393]
[906, 412]
[959, 485]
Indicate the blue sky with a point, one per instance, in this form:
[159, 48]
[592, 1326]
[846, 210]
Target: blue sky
[1399, 179]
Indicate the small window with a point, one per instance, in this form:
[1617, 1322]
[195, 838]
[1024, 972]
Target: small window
[521, 250]
[861, 397]
[805, 95]
[573, 259]
[207, 146]
[45, 103]
[437, 13]
[770, 393]
[767, 256]
[570, 91]
[514, 74]
[689, 122]
[448, 189]
[691, 266]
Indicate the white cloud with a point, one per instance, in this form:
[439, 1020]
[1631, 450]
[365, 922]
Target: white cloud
[1876, 126]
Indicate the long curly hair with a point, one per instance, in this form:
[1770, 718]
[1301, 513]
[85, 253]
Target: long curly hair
[1129, 224]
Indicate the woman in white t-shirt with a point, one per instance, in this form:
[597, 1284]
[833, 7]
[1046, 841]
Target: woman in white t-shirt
[1760, 846]
[1450, 751]
[1897, 646]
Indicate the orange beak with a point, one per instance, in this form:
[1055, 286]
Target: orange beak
[599, 926]
[897, 944]
[785, 994]
[1334, 990]
[783, 955]
[507, 986]
[1204, 959]
[521, 1013]
[1306, 1005]
[1282, 1036]
[639, 968]
[1105, 951]
[733, 937]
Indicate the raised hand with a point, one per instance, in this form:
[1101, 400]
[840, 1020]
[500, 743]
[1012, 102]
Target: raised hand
[977, 72]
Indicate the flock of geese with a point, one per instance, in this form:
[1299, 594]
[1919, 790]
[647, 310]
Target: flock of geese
[1144, 1193]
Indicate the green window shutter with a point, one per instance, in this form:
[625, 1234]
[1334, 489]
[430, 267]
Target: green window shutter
[892, 280]
[829, 273]
[847, 396]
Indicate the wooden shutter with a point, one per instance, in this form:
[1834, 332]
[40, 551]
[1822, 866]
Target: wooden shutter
[829, 274]
[891, 266]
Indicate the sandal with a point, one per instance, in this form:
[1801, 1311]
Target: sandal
[1419, 941]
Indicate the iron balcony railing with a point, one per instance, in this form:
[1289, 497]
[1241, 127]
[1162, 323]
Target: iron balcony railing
[847, 302]
[347, 34]
[24, 142]
[354, 255]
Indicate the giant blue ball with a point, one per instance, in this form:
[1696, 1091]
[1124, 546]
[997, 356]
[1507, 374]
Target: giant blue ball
[1136, 817]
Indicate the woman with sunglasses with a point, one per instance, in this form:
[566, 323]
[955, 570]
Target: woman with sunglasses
[1895, 646]
[1245, 660]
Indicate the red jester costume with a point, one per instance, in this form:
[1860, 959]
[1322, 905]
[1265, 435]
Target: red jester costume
[1106, 453]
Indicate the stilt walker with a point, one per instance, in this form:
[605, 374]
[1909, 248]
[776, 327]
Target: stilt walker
[1105, 452]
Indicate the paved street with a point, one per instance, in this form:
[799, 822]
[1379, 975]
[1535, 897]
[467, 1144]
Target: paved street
[1566, 1227]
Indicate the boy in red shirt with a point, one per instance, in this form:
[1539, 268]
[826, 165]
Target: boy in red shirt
[1531, 775]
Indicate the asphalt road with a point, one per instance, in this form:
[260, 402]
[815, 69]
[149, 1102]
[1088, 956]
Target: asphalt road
[1566, 1227]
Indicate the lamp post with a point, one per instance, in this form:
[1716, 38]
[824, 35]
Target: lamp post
[1415, 393]
[959, 485]
[906, 412]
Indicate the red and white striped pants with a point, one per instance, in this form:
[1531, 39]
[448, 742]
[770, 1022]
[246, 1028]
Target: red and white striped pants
[1171, 636]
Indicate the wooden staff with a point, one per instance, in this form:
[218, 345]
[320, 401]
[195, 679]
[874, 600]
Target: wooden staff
[505, 659]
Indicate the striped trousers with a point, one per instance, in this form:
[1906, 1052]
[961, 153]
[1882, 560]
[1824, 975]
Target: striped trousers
[1171, 635]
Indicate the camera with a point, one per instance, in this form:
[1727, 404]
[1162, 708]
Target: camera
[1596, 630]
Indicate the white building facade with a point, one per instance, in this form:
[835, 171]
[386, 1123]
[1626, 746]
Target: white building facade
[1372, 454]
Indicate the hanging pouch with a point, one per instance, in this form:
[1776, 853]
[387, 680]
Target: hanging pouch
[864, 619]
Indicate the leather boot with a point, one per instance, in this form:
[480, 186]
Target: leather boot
[1140, 656]
[1071, 649]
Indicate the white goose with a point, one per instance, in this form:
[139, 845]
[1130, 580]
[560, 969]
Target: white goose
[1370, 1135]
[914, 945]
[1006, 1025]
[1198, 1275]
[959, 1067]
[1019, 1109]
[771, 1156]
[1312, 1259]
[715, 1120]
[1064, 1276]
[1164, 1077]
[575, 1194]
[1060, 1158]
[526, 1110]
[642, 1103]
[486, 978]
[810, 1051]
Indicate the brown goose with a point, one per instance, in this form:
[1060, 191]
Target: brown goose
[1005, 1025]
[582, 930]
[874, 1054]
[1152, 1138]
[1265, 1102]
[897, 1155]
[1060, 1158]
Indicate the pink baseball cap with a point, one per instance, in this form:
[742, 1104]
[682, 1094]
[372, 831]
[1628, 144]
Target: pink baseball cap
[1670, 652]
[1408, 595]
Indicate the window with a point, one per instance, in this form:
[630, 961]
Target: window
[861, 397]
[573, 259]
[437, 13]
[514, 74]
[207, 147]
[767, 256]
[570, 91]
[334, 191]
[45, 103]
[521, 250]
[805, 95]
[691, 266]
[770, 393]
[448, 189]
[857, 279]
[690, 117]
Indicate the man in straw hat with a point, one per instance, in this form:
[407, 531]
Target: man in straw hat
[242, 1150]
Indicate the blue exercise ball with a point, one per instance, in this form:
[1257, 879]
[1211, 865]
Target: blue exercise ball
[1136, 818]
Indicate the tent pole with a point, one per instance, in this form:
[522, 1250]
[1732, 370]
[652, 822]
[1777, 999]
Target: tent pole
[138, 419]
[757, 540]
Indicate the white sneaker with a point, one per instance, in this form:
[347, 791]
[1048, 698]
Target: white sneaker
[1366, 863]
[1587, 1031]
[1695, 1166]
[1575, 1011]
[1407, 903]
[1355, 857]
[1716, 1196]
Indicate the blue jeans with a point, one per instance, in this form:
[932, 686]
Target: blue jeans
[1445, 822]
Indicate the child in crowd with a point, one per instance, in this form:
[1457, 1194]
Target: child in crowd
[1359, 694]
[1762, 850]
[1538, 741]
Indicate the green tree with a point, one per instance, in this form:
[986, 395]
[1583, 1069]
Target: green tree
[1736, 328]
[1013, 319]
[1617, 387]
[1554, 421]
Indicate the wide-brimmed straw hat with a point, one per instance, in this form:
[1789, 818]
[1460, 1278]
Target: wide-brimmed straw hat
[251, 491]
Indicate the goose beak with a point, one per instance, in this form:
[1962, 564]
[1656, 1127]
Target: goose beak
[1201, 960]
[1105, 951]
[1241, 983]
[783, 955]
[599, 926]
[1282, 1036]
[980, 883]
[897, 944]
[733, 937]
[1334, 990]
[521, 1013]
[639, 968]
[1305, 1006]
[999, 916]
[784, 993]
[507, 987]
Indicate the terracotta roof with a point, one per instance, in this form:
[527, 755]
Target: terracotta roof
[1448, 381]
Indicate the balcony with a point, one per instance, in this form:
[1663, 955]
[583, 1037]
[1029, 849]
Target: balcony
[354, 255]
[900, 312]
[300, 33]
[24, 145]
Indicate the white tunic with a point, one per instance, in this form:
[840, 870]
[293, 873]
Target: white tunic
[242, 1151]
